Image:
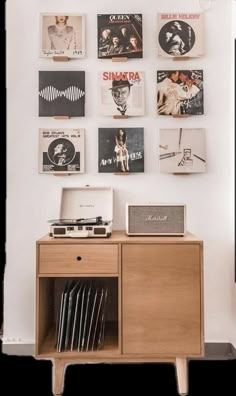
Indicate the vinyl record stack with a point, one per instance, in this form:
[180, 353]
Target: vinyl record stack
[81, 316]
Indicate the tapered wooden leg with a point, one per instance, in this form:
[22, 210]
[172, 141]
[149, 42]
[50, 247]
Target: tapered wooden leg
[182, 376]
[58, 376]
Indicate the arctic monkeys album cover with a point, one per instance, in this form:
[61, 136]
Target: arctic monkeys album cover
[61, 93]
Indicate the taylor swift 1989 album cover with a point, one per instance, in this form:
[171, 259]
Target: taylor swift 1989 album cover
[62, 35]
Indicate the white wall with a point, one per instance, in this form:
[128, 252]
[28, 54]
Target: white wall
[32, 199]
[232, 144]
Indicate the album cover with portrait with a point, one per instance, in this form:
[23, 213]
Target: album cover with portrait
[121, 93]
[62, 35]
[61, 150]
[180, 92]
[120, 35]
[120, 150]
[182, 150]
[61, 93]
[180, 35]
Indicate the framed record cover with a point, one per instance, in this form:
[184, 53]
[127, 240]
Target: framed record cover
[120, 35]
[182, 150]
[180, 35]
[121, 93]
[61, 150]
[62, 35]
[120, 150]
[61, 93]
[180, 92]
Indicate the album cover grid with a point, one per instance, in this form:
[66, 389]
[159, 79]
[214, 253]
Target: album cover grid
[179, 93]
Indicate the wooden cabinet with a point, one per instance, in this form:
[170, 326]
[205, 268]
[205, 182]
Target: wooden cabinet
[155, 299]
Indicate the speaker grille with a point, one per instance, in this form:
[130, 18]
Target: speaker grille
[156, 219]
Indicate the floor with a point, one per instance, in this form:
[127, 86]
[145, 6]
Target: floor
[205, 377]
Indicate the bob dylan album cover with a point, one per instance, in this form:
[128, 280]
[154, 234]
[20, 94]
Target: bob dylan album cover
[120, 150]
[180, 35]
[120, 35]
[61, 150]
[121, 93]
[180, 92]
[182, 150]
[61, 93]
[62, 35]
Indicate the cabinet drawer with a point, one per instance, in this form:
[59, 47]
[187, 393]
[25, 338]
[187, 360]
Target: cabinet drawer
[78, 259]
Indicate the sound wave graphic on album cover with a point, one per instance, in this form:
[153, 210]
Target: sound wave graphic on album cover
[61, 93]
[71, 93]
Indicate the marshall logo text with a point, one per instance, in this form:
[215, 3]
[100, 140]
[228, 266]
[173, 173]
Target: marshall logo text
[156, 218]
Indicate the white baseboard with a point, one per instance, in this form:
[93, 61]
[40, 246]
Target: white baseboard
[219, 351]
[19, 349]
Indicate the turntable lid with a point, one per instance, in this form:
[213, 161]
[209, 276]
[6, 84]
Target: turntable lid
[86, 202]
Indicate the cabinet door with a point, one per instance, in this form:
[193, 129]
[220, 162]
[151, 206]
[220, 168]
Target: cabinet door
[161, 295]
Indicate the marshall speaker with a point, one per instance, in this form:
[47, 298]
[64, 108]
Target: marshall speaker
[155, 219]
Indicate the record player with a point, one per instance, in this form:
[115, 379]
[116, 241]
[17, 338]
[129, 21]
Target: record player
[86, 212]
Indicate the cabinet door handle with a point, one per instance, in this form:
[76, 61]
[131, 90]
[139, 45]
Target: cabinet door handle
[78, 258]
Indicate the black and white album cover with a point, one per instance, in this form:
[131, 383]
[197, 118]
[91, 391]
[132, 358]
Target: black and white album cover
[120, 150]
[180, 92]
[61, 150]
[180, 35]
[121, 93]
[120, 35]
[61, 93]
[182, 150]
[62, 35]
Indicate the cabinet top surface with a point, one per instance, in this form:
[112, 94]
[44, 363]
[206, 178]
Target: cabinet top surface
[121, 237]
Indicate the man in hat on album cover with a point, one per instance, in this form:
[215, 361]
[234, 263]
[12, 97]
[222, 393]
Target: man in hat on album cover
[120, 92]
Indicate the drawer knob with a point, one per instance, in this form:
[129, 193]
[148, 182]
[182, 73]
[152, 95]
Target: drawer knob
[78, 258]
